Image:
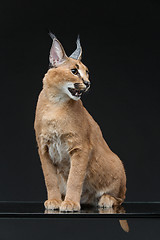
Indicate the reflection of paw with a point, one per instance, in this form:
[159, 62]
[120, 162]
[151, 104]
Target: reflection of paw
[106, 201]
[51, 211]
[108, 210]
[69, 206]
[53, 204]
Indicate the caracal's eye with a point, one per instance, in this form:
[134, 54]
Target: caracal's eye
[74, 71]
[87, 72]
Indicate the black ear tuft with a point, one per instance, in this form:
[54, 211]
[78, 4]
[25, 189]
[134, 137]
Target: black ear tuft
[51, 35]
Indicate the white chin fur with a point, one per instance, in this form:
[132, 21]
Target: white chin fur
[65, 89]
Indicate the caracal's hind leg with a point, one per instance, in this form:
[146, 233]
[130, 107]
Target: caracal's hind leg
[108, 201]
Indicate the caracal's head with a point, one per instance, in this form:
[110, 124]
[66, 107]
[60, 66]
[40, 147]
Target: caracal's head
[67, 77]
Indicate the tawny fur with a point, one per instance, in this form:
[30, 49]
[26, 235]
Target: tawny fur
[77, 163]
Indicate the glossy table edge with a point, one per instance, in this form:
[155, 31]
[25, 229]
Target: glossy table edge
[153, 213]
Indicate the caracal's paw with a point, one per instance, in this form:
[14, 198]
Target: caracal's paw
[53, 204]
[107, 201]
[70, 206]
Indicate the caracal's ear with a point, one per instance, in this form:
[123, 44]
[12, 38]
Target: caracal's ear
[57, 54]
[77, 54]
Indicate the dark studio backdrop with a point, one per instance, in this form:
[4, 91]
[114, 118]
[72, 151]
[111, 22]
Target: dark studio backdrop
[121, 47]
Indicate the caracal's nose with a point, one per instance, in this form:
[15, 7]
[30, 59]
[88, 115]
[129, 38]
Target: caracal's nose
[87, 83]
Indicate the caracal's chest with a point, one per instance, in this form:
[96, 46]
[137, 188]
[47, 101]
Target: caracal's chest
[58, 133]
[58, 149]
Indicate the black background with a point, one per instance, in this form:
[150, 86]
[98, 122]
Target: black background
[121, 47]
[77, 229]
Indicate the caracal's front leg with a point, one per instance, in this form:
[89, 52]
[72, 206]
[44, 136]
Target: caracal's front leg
[79, 161]
[54, 197]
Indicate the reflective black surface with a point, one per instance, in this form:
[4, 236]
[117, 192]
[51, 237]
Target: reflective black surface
[37, 210]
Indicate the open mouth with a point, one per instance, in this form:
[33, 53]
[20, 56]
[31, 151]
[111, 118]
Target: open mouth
[75, 92]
